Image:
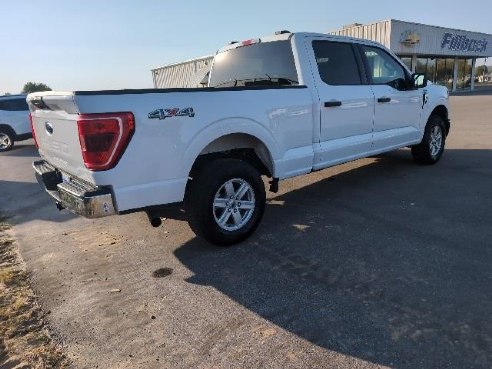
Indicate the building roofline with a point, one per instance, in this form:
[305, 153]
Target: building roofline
[441, 27]
[361, 25]
[417, 24]
[183, 62]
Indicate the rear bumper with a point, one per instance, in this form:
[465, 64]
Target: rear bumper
[73, 194]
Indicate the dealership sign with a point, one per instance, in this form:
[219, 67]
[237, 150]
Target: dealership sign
[410, 38]
[457, 42]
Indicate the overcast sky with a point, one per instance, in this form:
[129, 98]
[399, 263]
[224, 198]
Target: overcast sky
[111, 44]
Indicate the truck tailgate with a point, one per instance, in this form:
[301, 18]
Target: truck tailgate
[54, 117]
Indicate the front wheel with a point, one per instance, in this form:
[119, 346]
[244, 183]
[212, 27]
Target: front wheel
[430, 150]
[6, 140]
[225, 201]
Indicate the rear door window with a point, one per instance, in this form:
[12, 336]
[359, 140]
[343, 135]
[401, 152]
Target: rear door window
[337, 63]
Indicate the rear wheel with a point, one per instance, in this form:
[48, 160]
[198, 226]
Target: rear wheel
[6, 140]
[225, 201]
[430, 150]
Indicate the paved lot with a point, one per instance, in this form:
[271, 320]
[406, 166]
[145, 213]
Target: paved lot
[376, 263]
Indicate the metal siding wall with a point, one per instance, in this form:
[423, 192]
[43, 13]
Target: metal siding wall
[203, 63]
[179, 75]
[379, 32]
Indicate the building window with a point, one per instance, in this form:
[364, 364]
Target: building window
[464, 73]
[431, 69]
[407, 61]
[444, 72]
[421, 66]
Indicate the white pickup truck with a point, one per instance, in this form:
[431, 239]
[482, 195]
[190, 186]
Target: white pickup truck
[280, 106]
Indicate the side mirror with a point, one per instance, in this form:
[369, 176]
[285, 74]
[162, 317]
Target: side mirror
[419, 80]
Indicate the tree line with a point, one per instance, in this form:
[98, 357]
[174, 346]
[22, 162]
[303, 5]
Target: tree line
[30, 87]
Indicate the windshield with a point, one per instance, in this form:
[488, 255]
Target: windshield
[261, 64]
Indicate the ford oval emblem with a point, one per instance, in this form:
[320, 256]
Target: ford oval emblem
[49, 128]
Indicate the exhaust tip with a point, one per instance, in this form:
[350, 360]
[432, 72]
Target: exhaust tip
[59, 206]
[155, 221]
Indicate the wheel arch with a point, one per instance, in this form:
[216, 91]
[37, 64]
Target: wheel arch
[442, 112]
[240, 146]
[8, 129]
[248, 141]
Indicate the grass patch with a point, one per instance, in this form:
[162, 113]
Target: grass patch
[25, 341]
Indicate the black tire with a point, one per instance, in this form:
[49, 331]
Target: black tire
[209, 190]
[430, 150]
[6, 140]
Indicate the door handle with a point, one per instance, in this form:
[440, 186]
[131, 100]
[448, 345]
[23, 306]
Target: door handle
[332, 104]
[384, 99]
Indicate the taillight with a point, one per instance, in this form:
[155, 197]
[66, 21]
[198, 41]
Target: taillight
[32, 130]
[104, 138]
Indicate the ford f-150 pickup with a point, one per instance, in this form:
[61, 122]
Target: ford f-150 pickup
[279, 106]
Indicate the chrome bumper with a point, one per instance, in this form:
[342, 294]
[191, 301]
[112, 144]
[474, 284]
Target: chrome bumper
[73, 194]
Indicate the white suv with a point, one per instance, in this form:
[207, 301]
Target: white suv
[14, 121]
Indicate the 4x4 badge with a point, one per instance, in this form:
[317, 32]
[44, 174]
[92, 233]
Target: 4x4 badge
[174, 112]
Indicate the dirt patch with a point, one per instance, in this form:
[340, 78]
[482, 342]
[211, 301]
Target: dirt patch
[25, 339]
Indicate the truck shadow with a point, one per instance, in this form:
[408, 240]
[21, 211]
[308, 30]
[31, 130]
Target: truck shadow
[21, 202]
[22, 149]
[388, 262]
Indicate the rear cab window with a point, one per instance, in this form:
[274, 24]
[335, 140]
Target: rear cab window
[259, 64]
[14, 104]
